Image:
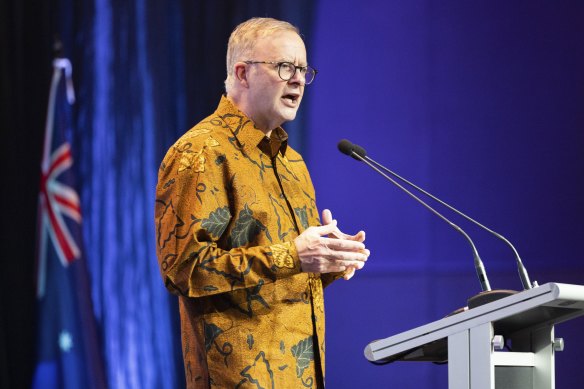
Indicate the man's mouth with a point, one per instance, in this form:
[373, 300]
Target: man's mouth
[291, 98]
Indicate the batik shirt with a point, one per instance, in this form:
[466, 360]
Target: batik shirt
[229, 203]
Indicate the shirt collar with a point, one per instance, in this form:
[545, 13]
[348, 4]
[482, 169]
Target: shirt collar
[278, 141]
[247, 134]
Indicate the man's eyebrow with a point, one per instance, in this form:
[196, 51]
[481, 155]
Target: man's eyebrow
[290, 61]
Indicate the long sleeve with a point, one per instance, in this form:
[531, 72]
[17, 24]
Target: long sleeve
[204, 248]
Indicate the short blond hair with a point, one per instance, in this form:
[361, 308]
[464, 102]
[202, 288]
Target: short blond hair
[244, 38]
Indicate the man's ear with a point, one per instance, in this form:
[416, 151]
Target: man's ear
[240, 72]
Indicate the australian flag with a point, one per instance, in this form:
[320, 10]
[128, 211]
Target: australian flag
[68, 348]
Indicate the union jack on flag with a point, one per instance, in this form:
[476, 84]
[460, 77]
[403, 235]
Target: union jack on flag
[57, 199]
[67, 344]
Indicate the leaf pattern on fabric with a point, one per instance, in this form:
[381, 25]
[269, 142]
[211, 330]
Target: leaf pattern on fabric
[282, 347]
[188, 159]
[287, 166]
[220, 159]
[281, 255]
[233, 121]
[303, 353]
[246, 228]
[169, 183]
[217, 221]
[303, 216]
[258, 373]
[195, 161]
[209, 265]
[201, 188]
[198, 131]
[312, 202]
[169, 217]
[275, 205]
[211, 142]
[200, 160]
[261, 166]
[183, 145]
[210, 288]
[250, 341]
[317, 294]
[211, 333]
[253, 294]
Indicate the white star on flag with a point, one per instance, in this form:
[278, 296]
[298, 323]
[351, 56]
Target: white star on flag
[65, 341]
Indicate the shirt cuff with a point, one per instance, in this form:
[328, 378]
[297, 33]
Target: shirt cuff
[285, 259]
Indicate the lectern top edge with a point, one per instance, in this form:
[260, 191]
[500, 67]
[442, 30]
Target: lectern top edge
[551, 303]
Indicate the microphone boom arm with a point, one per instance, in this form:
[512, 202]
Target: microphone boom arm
[520, 267]
[480, 268]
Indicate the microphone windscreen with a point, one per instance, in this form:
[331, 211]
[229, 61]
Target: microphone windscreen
[345, 147]
[352, 150]
[359, 150]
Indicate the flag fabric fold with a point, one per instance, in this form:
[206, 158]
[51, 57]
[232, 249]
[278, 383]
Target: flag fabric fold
[67, 338]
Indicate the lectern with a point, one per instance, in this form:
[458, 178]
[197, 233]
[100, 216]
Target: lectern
[505, 344]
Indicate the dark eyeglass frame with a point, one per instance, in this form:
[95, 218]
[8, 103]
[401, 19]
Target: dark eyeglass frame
[306, 69]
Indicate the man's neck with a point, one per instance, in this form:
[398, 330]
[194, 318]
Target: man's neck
[242, 108]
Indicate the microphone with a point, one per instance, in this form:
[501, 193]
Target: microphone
[352, 150]
[359, 153]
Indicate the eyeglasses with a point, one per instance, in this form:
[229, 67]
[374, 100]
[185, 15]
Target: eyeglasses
[287, 70]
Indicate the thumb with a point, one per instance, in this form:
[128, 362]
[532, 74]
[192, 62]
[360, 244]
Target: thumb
[327, 216]
[327, 228]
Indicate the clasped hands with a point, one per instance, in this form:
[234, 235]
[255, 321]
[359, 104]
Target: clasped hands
[325, 249]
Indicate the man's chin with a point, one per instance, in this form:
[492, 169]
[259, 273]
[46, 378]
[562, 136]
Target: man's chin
[289, 114]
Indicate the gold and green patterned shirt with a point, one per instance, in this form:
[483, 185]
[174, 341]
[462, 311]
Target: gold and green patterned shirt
[229, 203]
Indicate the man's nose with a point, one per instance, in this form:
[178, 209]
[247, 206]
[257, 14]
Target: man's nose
[298, 78]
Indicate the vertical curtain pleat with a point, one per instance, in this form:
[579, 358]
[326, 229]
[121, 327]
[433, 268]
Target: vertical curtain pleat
[140, 338]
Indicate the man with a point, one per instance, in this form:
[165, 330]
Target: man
[238, 233]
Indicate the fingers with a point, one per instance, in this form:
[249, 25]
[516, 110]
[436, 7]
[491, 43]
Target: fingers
[326, 249]
[349, 274]
[323, 265]
[347, 258]
[327, 216]
[359, 237]
[355, 265]
[325, 229]
[343, 245]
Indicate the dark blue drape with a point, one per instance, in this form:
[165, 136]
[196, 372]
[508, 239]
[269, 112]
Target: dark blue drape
[118, 120]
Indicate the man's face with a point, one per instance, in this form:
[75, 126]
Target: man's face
[272, 101]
